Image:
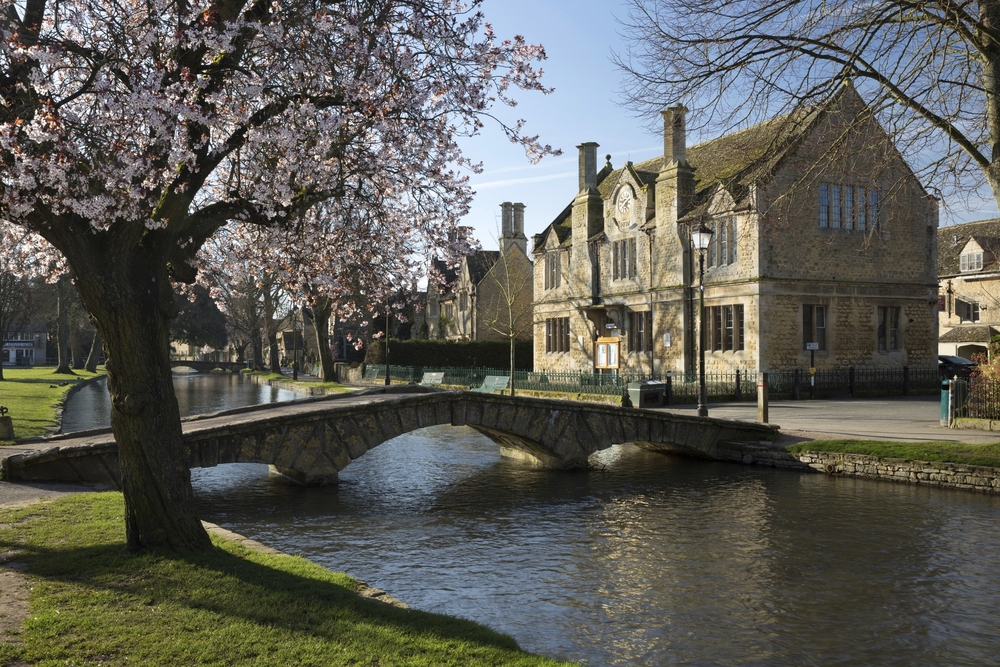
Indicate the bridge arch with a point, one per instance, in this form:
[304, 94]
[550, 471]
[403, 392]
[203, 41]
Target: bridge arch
[313, 448]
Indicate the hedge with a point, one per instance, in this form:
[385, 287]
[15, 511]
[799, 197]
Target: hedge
[449, 354]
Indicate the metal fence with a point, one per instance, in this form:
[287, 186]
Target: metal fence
[978, 399]
[736, 385]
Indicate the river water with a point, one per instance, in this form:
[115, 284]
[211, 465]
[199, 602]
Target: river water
[652, 560]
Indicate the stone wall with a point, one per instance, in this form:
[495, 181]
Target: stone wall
[949, 475]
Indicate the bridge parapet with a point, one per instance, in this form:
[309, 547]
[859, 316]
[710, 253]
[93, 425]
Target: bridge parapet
[312, 442]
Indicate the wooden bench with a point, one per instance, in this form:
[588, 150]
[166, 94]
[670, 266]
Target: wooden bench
[493, 383]
[432, 379]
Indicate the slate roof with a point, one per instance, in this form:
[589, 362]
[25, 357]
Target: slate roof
[975, 333]
[734, 161]
[952, 240]
[480, 264]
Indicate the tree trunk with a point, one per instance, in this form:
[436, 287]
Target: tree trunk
[95, 353]
[133, 320]
[62, 326]
[258, 353]
[76, 349]
[321, 323]
[275, 356]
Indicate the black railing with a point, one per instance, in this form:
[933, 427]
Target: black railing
[735, 385]
[978, 398]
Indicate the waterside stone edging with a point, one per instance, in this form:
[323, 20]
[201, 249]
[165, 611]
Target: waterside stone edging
[931, 473]
[365, 591]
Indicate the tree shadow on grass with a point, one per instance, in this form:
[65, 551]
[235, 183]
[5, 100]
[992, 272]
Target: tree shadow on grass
[281, 601]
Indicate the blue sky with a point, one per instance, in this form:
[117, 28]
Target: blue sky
[579, 37]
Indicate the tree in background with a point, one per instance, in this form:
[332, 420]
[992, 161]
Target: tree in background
[135, 131]
[199, 321]
[505, 297]
[927, 70]
[15, 304]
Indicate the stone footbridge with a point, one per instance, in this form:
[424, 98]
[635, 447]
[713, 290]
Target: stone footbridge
[311, 440]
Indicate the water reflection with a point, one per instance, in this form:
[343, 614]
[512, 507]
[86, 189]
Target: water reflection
[656, 560]
[197, 393]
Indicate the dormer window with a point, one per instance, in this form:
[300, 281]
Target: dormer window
[971, 261]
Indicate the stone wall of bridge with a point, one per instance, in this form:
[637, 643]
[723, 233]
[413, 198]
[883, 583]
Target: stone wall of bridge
[313, 442]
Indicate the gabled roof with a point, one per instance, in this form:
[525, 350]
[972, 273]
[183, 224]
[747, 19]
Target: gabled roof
[964, 333]
[440, 267]
[480, 263]
[953, 239]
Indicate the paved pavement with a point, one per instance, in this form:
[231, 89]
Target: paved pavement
[911, 419]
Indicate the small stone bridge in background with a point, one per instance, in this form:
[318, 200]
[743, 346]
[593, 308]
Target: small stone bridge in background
[311, 440]
[206, 366]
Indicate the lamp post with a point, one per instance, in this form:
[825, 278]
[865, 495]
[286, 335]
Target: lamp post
[701, 238]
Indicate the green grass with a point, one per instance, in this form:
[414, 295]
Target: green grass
[92, 604]
[32, 399]
[330, 387]
[944, 450]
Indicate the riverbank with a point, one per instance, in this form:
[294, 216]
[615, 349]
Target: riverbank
[36, 396]
[91, 603]
[308, 385]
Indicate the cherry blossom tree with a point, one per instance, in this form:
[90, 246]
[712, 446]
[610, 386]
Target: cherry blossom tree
[133, 132]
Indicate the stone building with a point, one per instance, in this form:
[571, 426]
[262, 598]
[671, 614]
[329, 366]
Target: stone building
[822, 238]
[489, 296]
[969, 287]
[24, 345]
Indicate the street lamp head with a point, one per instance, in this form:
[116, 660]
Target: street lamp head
[702, 236]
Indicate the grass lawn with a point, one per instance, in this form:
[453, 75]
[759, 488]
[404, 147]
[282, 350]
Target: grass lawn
[33, 394]
[944, 450]
[92, 604]
[330, 387]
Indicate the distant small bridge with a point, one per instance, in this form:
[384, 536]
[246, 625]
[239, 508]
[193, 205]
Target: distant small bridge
[207, 366]
[312, 440]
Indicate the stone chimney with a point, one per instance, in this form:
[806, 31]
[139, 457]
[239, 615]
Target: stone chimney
[675, 134]
[506, 219]
[513, 227]
[588, 166]
[518, 229]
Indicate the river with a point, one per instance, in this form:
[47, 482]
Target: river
[652, 560]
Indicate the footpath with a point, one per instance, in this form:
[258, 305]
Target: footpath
[902, 419]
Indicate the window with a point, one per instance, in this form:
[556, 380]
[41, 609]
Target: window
[463, 301]
[873, 209]
[860, 213]
[553, 270]
[967, 311]
[640, 332]
[623, 256]
[814, 326]
[824, 205]
[557, 334]
[971, 261]
[848, 207]
[448, 312]
[888, 329]
[835, 207]
[722, 248]
[732, 241]
[724, 326]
